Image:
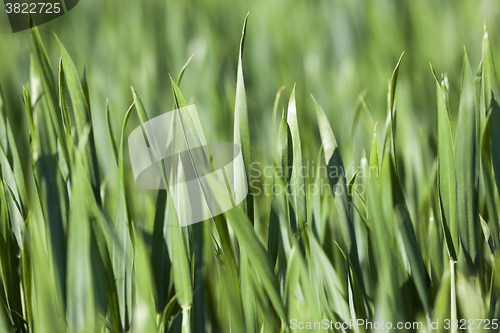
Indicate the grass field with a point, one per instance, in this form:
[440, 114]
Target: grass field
[389, 211]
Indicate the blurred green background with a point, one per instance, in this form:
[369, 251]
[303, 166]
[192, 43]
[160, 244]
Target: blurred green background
[332, 49]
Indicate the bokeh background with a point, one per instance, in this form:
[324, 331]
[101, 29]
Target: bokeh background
[337, 50]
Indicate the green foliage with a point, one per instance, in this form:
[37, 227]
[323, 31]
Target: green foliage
[83, 249]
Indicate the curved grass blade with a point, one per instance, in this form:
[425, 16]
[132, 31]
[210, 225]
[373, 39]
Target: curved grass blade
[49, 86]
[110, 133]
[392, 106]
[81, 109]
[242, 136]
[183, 69]
[297, 181]
[63, 103]
[275, 111]
[374, 166]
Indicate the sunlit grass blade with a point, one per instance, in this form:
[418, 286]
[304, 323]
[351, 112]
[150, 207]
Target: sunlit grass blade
[374, 154]
[49, 86]
[392, 106]
[297, 180]
[110, 133]
[81, 110]
[242, 136]
[275, 112]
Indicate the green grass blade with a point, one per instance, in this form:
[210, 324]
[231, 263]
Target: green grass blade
[392, 106]
[256, 253]
[63, 102]
[183, 69]
[298, 285]
[390, 136]
[337, 180]
[374, 154]
[144, 314]
[466, 168]
[412, 248]
[297, 181]
[491, 196]
[7, 176]
[81, 109]
[442, 306]
[51, 187]
[446, 172]
[279, 201]
[328, 278]
[8, 143]
[49, 86]
[123, 252]
[180, 260]
[490, 83]
[325, 131]
[49, 317]
[80, 294]
[110, 133]
[492, 100]
[242, 136]
[9, 260]
[275, 112]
